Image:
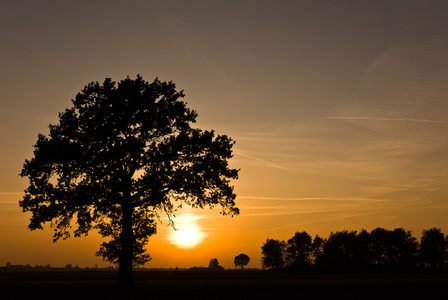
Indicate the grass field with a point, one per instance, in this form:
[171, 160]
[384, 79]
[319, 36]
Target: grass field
[231, 284]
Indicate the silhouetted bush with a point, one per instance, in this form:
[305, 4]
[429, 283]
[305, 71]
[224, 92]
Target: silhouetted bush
[214, 265]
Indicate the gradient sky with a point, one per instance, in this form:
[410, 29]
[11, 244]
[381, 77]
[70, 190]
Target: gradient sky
[338, 108]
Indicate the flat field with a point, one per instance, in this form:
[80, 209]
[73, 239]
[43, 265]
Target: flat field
[229, 284]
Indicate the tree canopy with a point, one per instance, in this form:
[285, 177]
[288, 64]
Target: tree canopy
[241, 260]
[299, 249]
[119, 157]
[433, 248]
[272, 254]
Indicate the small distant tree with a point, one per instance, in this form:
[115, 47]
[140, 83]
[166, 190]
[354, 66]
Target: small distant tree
[363, 256]
[379, 245]
[214, 264]
[403, 249]
[273, 254]
[241, 260]
[299, 249]
[433, 248]
[340, 249]
[317, 248]
[393, 247]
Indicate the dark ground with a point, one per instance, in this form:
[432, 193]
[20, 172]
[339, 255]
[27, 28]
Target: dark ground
[231, 284]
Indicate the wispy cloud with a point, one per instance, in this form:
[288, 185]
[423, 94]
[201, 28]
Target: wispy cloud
[388, 119]
[263, 161]
[311, 198]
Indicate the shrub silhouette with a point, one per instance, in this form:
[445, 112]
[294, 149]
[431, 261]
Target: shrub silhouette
[214, 264]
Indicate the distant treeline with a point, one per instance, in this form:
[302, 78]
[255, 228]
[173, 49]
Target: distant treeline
[69, 267]
[380, 249]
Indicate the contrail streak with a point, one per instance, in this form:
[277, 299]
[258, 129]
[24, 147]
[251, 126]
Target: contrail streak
[265, 162]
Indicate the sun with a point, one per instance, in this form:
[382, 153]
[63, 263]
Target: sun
[187, 234]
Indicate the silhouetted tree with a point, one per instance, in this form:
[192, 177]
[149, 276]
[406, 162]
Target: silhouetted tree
[241, 260]
[214, 264]
[363, 255]
[121, 154]
[379, 245]
[317, 248]
[299, 250]
[433, 248]
[272, 254]
[340, 249]
[403, 248]
[393, 247]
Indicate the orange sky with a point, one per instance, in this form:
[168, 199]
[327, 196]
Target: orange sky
[338, 109]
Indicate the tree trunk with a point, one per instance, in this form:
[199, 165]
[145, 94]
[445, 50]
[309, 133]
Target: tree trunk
[126, 253]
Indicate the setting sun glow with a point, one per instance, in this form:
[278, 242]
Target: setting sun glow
[187, 234]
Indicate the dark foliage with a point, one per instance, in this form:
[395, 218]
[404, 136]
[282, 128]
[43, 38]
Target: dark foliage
[273, 254]
[301, 250]
[433, 248]
[340, 249]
